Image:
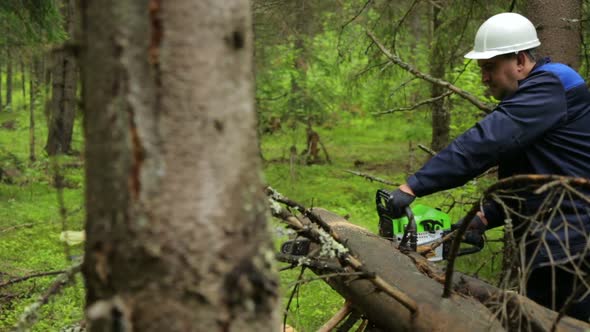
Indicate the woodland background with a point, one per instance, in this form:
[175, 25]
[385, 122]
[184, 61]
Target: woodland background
[327, 102]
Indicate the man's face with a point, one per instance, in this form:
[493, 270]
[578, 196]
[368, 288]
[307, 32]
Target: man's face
[500, 75]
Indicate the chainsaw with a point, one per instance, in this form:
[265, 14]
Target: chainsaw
[421, 226]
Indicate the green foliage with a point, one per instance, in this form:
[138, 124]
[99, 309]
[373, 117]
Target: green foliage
[29, 22]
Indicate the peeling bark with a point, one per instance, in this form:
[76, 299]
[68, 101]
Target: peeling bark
[176, 220]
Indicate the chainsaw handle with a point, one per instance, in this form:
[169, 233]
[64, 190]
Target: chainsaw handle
[410, 239]
[385, 220]
[474, 247]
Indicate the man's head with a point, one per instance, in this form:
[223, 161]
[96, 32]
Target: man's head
[502, 73]
[502, 47]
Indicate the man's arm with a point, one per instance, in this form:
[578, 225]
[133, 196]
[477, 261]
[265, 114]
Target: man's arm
[405, 188]
[517, 122]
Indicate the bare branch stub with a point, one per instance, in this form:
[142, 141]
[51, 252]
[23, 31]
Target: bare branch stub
[30, 314]
[373, 178]
[413, 107]
[31, 276]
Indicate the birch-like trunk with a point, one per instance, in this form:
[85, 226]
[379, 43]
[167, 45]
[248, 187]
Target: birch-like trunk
[176, 218]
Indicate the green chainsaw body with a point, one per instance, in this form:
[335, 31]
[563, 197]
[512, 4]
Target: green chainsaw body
[428, 219]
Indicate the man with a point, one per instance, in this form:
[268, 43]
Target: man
[541, 126]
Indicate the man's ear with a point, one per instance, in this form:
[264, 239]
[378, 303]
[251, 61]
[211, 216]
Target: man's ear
[521, 59]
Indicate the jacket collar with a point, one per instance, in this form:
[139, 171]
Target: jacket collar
[540, 63]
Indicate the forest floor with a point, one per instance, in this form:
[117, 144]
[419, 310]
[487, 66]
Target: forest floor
[33, 212]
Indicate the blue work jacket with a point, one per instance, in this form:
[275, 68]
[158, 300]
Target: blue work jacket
[543, 128]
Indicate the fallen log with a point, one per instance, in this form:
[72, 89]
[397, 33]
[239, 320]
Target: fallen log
[473, 306]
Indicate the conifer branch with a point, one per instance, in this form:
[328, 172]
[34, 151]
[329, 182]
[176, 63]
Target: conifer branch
[398, 61]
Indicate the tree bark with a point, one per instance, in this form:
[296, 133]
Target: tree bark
[176, 216]
[441, 117]
[474, 306]
[558, 26]
[63, 104]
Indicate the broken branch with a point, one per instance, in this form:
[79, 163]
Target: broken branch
[30, 276]
[373, 178]
[421, 103]
[30, 313]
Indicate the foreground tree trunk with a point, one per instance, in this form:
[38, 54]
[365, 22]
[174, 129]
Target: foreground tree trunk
[558, 25]
[176, 217]
[474, 305]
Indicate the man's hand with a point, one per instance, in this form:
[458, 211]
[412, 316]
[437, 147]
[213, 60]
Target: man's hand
[398, 201]
[475, 230]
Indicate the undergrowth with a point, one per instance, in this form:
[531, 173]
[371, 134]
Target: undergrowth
[31, 221]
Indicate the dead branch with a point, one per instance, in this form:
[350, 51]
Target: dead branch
[295, 290]
[401, 86]
[328, 276]
[341, 251]
[401, 21]
[460, 232]
[518, 181]
[16, 227]
[427, 149]
[30, 276]
[295, 260]
[337, 318]
[373, 178]
[368, 68]
[30, 313]
[413, 107]
[536, 180]
[397, 60]
[356, 15]
[426, 249]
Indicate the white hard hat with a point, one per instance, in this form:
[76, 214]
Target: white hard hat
[504, 33]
